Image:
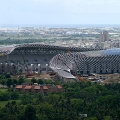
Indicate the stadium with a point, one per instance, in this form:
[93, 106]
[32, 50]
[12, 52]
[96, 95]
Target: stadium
[100, 62]
[30, 58]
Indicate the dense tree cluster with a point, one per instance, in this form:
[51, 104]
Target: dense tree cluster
[99, 102]
[5, 79]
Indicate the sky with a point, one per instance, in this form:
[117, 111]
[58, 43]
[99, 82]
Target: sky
[46, 12]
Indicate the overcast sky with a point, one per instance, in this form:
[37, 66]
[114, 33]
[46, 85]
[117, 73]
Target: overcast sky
[38, 12]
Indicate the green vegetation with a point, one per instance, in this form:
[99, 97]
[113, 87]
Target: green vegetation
[3, 90]
[99, 102]
[3, 103]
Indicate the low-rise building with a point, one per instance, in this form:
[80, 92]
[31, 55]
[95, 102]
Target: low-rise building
[40, 88]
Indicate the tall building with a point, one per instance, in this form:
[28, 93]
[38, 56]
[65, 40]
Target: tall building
[103, 36]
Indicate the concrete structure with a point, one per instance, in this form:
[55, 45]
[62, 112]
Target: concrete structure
[103, 61]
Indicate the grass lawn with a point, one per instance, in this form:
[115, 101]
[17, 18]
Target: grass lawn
[3, 89]
[3, 103]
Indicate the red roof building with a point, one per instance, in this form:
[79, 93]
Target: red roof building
[39, 88]
[27, 88]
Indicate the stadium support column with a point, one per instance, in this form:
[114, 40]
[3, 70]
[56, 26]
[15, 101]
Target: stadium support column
[46, 68]
[7, 57]
[0, 67]
[31, 68]
[39, 68]
[6, 68]
[24, 69]
[18, 65]
[11, 67]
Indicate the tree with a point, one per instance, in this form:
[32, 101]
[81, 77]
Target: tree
[9, 82]
[14, 95]
[15, 81]
[20, 81]
[40, 81]
[26, 98]
[3, 82]
[77, 103]
[7, 75]
[39, 98]
[93, 118]
[33, 80]
[107, 118]
[30, 113]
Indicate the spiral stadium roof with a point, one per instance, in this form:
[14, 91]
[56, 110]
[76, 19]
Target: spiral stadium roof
[102, 61]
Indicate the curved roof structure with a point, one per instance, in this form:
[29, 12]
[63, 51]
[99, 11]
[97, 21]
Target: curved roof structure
[72, 61]
[7, 49]
[113, 51]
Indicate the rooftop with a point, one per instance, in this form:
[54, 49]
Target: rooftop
[59, 86]
[18, 87]
[36, 87]
[28, 87]
[45, 87]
